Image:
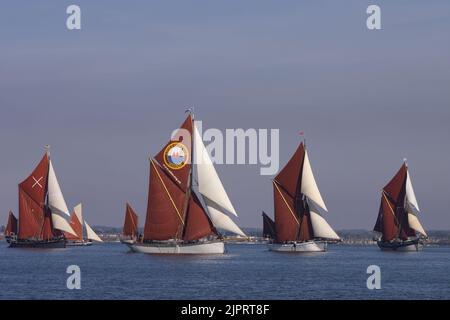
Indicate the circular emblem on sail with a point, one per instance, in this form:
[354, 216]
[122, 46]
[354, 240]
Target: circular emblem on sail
[176, 155]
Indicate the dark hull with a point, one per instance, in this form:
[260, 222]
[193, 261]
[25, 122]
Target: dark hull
[50, 244]
[406, 245]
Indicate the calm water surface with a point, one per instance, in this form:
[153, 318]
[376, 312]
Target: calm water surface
[109, 271]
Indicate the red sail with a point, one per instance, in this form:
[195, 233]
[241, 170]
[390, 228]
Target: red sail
[405, 230]
[31, 217]
[11, 227]
[286, 220]
[130, 226]
[395, 189]
[290, 176]
[181, 175]
[198, 224]
[164, 219]
[35, 186]
[379, 224]
[268, 227]
[389, 223]
[77, 226]
[395, 192]
[48, 232]
[306, 231]
[32, 193]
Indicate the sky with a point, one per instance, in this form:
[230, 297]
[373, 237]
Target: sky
[107, 97]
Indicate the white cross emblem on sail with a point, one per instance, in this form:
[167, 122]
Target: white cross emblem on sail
[37, 182]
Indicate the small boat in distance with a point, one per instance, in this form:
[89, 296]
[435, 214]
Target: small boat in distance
[398, 220]
[130, 231]
[77, 223]
[11, 227]
[299, 207]
[42, 210]
[187, 202]
[269, 232]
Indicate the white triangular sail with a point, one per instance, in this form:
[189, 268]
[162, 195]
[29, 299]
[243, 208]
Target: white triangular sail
[57, 203]
[321, 228]
[414, 223]
[209, 189]
[412, 207]
[56, 200]
[219, 219]
[309, 186]
[90, 234]
[61, 224]
[78, 210]
[209, 184]
[410, 195]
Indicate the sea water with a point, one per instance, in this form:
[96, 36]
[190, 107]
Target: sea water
[246, 271]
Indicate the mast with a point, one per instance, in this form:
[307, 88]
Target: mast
[197, 223]
[190, 111]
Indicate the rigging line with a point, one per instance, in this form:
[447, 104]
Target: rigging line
[167, 191]
[188, 193]
[290, 210]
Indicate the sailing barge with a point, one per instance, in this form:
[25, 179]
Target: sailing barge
[398, 221]
[299, 224]
[11, 227]
[79, 226]
[130, 231]
[187, 203]
[42, 210]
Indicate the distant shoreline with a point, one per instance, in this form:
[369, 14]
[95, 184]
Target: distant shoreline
[349, 237]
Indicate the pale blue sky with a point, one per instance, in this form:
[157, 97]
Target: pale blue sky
[108, 96]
